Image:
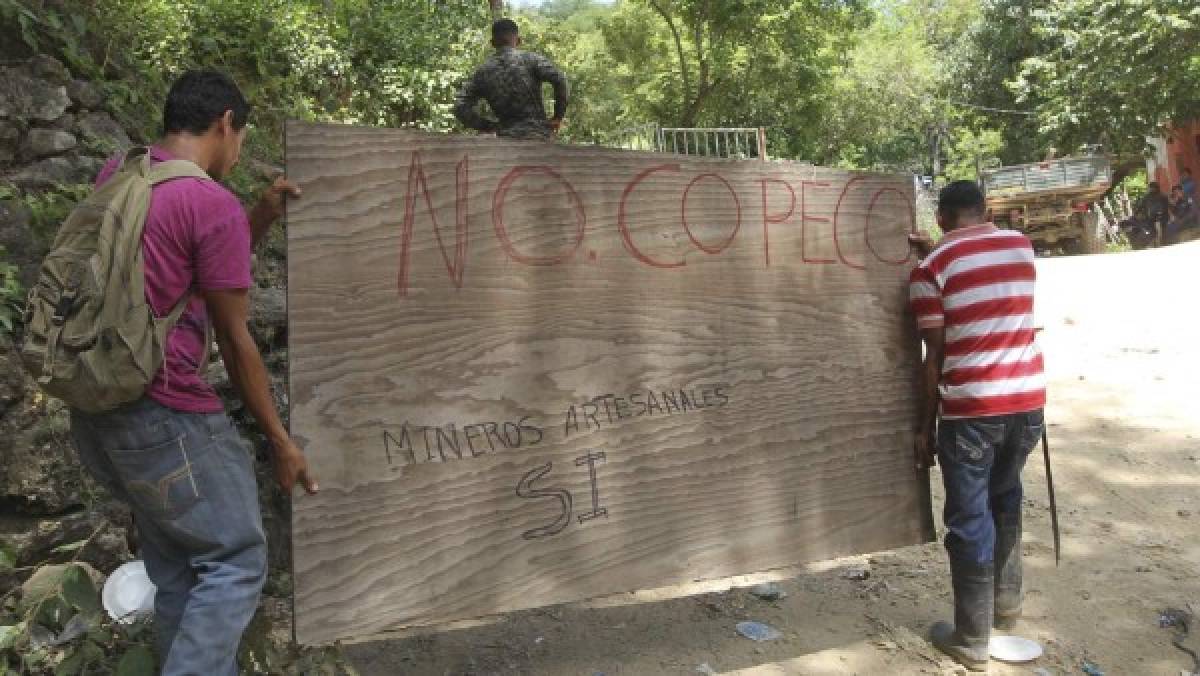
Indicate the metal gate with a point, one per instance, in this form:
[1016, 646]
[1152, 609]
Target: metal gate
[731, 142]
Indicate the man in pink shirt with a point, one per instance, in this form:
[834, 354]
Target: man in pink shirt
[174, 456]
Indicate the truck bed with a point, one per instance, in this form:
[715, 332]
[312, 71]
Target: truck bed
[1084, 178]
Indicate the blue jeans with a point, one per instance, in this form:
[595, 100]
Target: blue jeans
[190, 483]
[981, 461]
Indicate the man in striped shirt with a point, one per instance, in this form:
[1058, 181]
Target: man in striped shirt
[973, 300]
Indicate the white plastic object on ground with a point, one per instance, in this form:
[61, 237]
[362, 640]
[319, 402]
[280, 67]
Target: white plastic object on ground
[128, 593]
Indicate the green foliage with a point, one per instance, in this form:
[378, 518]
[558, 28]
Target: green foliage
[79, 592]
[996, 45]
[405, 58]
[9, 635]
[380, 62]
[972, 151]
[8, 558]
[59, 627]
[50, 208]
[1136, 185]
[1119, 246]
[762, 63]
[570, 33]
[1115, 70]
[911, 85]
[881, 111]
[694, 62]
[137, 661]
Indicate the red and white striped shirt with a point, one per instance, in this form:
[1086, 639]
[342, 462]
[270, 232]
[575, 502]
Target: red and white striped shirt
[978, 283]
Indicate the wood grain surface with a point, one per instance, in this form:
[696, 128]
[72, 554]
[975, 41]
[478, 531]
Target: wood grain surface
[528, 373]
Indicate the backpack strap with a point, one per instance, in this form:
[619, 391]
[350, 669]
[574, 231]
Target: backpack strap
[161, 172]
[172, 169]
[133, 155]
[209, 336]
[176, 312]
[52, 338]
[54, 335]
[163, 326]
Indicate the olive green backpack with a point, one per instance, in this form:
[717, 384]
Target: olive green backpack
[90, 337]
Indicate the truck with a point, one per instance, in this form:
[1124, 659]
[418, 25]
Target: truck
[1051, 201]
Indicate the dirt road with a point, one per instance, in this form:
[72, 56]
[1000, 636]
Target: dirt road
[1121, 335]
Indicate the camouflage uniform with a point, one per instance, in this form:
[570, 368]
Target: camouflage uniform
[511, 82]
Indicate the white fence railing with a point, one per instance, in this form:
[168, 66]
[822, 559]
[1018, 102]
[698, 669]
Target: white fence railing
[729, 142]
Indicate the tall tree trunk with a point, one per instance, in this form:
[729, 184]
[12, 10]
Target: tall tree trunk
[497, 9]
[935, 150]
[684, 71]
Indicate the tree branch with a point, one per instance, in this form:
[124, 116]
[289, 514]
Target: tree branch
[685, 72]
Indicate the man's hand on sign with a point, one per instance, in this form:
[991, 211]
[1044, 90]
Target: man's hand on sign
[270, 204]
[921, 242]
[269, 207]
[274, 195]
[923, 450]
[291, 468]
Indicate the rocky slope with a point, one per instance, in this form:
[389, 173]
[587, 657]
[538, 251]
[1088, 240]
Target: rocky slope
[55, 134]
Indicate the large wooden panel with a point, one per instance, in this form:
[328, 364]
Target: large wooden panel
[530, 373]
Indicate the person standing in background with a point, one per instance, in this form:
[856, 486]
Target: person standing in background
[511, 83]
[983, 390]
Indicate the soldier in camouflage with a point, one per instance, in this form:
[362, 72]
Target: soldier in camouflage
[511, 82]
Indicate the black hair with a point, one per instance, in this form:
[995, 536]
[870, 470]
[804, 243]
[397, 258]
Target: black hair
[961, 197]
[199, 98]
[504, 30]
[1187, 170]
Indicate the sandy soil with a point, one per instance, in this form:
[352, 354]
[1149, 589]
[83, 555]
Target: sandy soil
[1121, 338]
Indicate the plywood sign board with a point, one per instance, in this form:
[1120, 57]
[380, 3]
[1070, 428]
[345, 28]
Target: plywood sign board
[529, 373]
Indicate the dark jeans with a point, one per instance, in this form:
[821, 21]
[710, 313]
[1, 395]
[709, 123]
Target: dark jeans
[1175, 227]
[981, 461]
[190, 483]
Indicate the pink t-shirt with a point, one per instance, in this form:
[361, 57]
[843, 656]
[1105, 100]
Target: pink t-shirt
[196, 237]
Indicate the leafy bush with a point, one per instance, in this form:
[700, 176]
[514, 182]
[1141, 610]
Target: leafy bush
[383, 62]
[58, 627]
